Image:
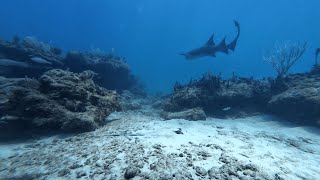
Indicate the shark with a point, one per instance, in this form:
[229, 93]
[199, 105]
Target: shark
[210, 48]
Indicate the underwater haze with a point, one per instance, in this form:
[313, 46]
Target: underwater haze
[152, 34]
[159, 90]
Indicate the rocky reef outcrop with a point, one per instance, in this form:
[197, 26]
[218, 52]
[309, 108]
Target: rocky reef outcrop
[27, 57]
[221, 98]
[59, 101]
[295, 97]
[299, 100]
[30, 57]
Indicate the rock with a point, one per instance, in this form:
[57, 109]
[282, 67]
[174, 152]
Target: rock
[214, 173]
[300, 101]
[185, 98]
[81, 174]
[191, 114]
[63, 172]
[200, 171]
[130, 172]
[60, 101]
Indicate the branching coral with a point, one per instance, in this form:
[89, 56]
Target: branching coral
[283, 57]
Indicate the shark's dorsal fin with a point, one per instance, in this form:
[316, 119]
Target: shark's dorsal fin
[223, 42]
[223, 46]
[210, 42]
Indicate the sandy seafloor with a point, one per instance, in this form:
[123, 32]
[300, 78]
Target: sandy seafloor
[140, 144]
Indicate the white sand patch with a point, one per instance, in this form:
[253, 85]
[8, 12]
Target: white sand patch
[272, 145]
[143, 141]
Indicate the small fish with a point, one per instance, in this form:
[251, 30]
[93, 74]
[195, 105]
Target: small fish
[39, 60]
[226, 109]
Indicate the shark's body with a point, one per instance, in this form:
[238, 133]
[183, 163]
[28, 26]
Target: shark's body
[210, 49]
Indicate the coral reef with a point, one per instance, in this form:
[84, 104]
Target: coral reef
[58, 101]
[295, 97]
[27, 57]
[107, 66]
[221, 98]
[30, 57]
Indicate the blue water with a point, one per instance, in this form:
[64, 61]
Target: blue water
[151, 34]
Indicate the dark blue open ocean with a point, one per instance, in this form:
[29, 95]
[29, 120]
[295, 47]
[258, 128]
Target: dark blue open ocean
[151, 34]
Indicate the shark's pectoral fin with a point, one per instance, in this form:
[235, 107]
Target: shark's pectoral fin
[210, 42]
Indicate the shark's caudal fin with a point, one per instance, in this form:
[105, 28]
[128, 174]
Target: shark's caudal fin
[233, 44]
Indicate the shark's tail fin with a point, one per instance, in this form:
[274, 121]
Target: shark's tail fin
[233, 44]
[236, 23]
